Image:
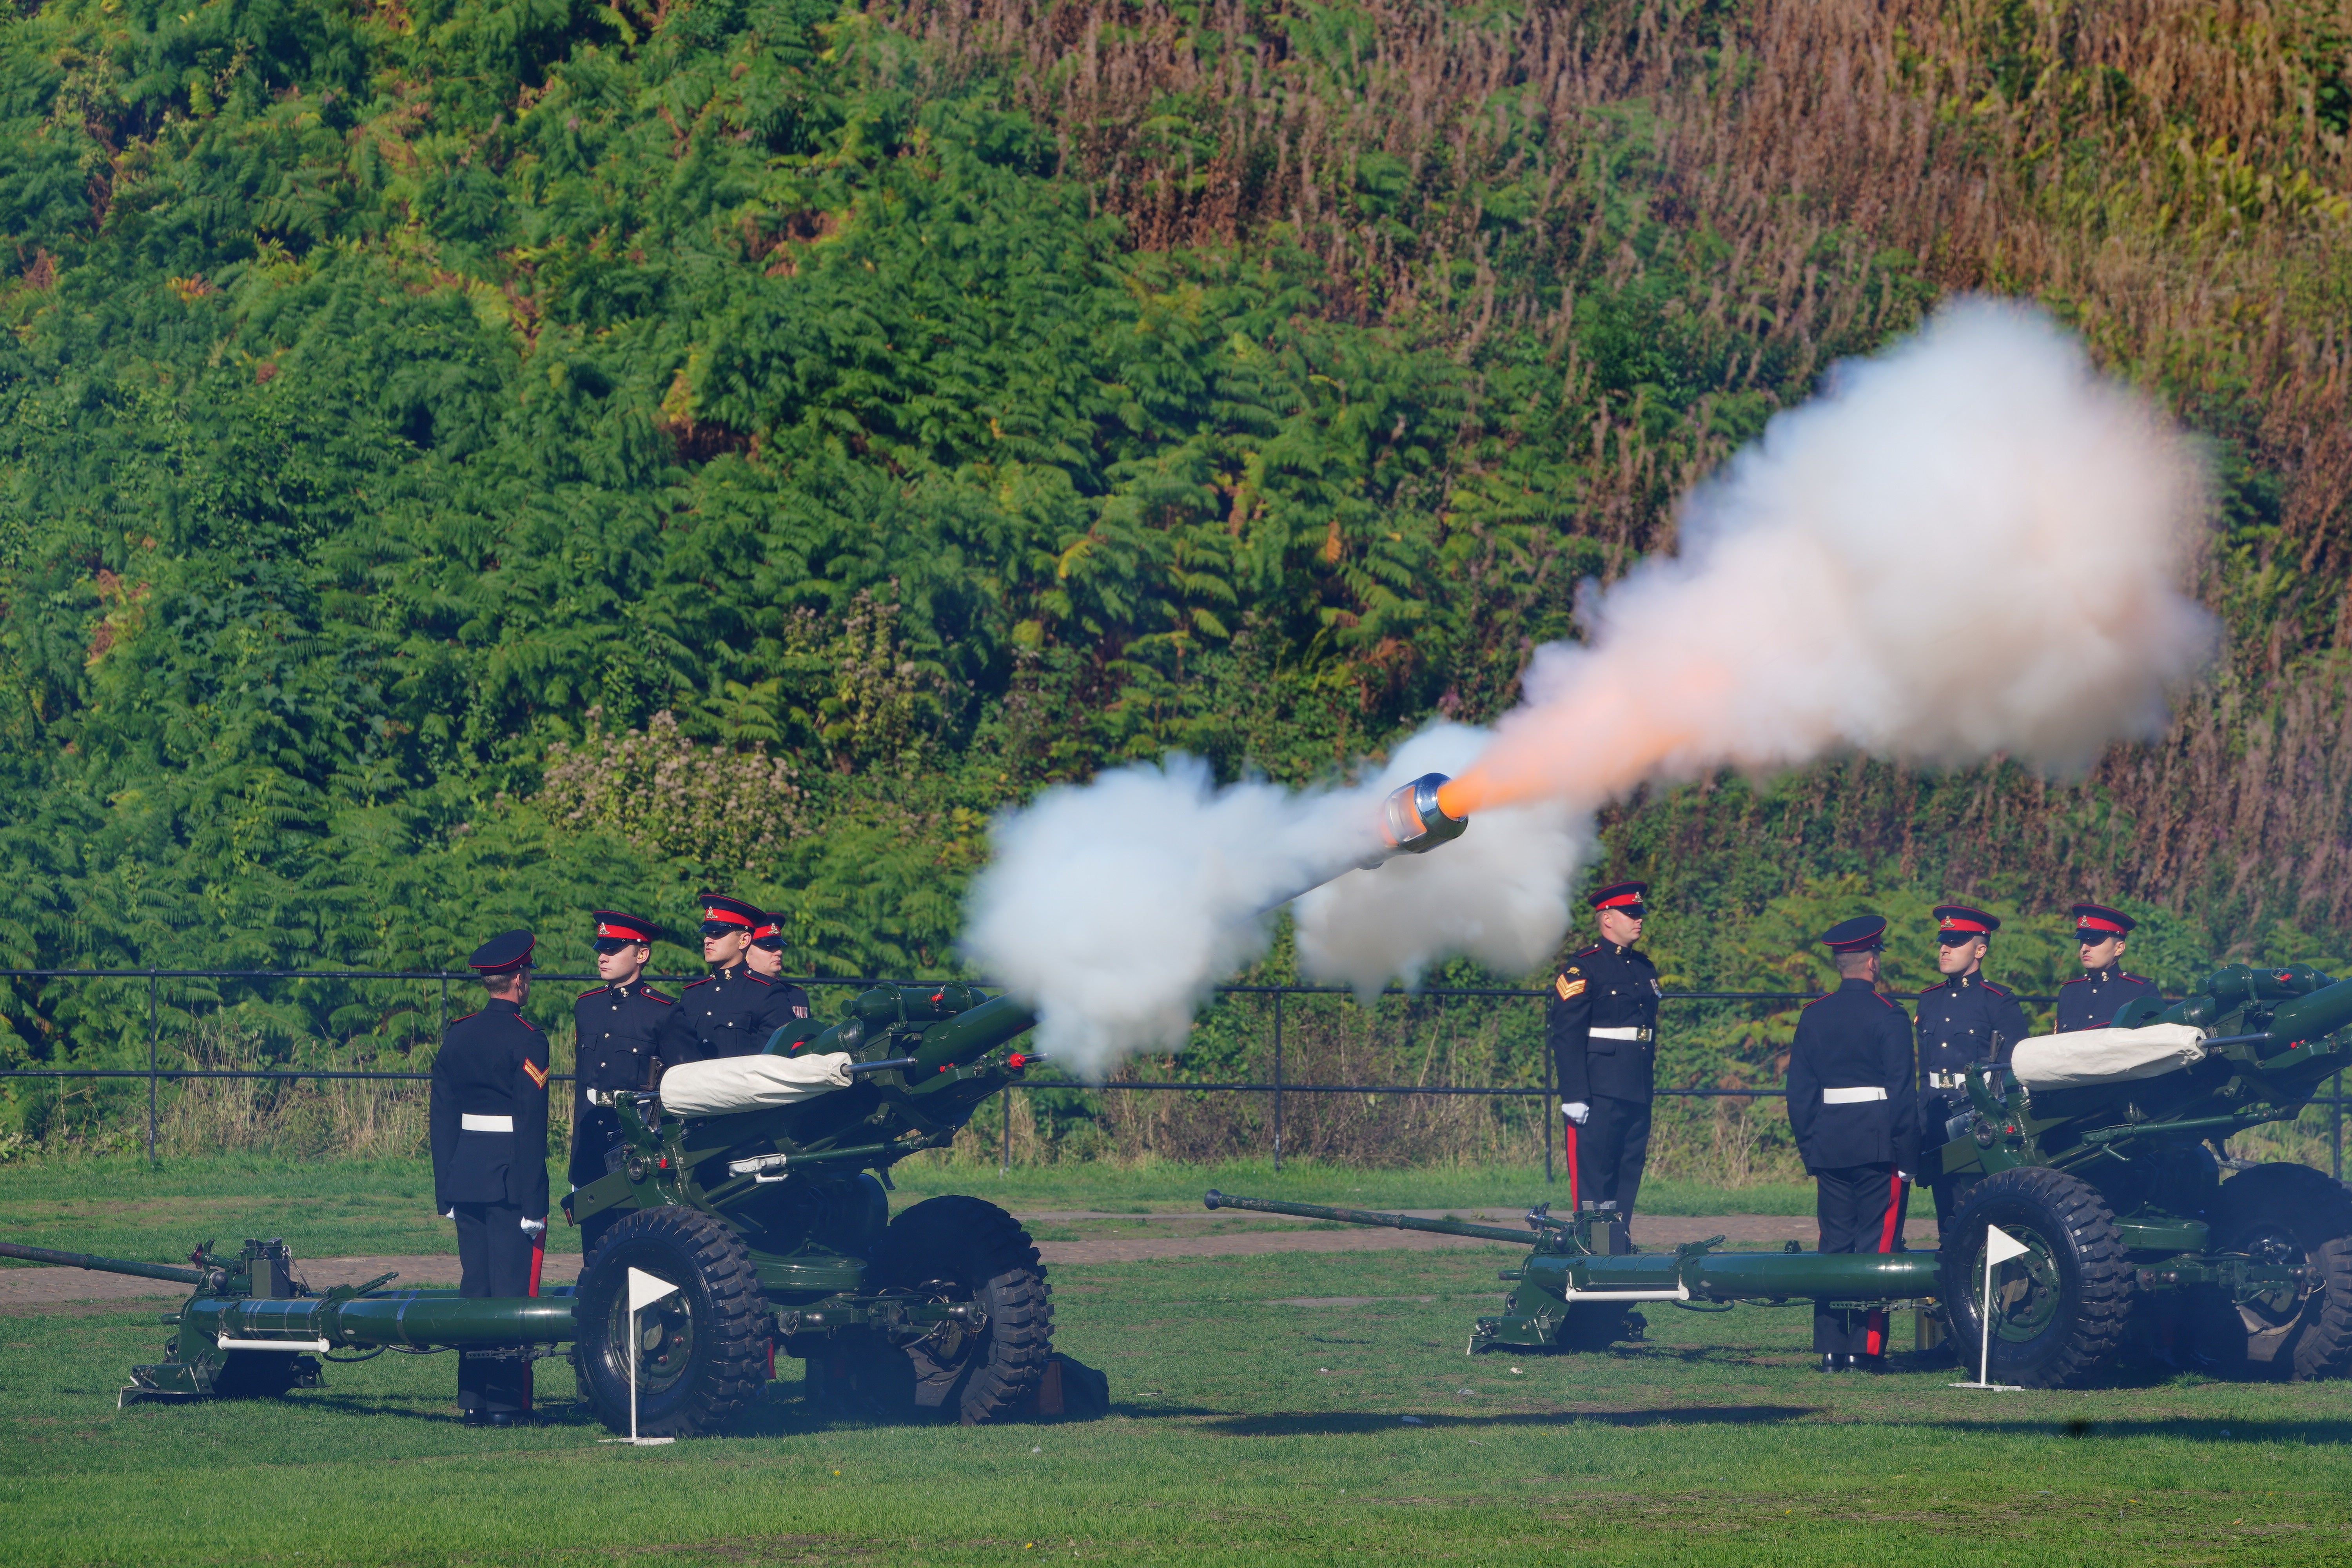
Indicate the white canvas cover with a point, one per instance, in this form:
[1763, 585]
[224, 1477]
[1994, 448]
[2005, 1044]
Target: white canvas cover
[751, 1083]
[2105, 1056]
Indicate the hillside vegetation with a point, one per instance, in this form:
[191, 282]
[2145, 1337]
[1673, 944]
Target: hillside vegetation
[461, 464]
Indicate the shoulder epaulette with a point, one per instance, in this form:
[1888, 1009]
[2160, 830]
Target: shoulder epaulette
[1888, 1002]
[753, 975]
[2078, 980]
[692, 983]
[1816, 1001]
[585, 994]
[1996, 989]
[475, 1014]
[1581, 951]
[648, 991]
[2132, 978]
[526, 1024]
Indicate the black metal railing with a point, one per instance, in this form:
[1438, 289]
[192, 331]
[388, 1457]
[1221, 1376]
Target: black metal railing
[156, 1074]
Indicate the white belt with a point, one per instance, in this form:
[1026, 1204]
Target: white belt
[473, 1123]
[1946, 1081]
[1852, 1096]
[1626, 1033]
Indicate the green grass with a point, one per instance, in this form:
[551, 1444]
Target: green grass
[120, 1208]
[1246, 1430]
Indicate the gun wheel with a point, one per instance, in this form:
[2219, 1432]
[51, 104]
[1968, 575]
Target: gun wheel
[2059, 1310]
[702, 1350]
[952, 1249]
[2291, 1216]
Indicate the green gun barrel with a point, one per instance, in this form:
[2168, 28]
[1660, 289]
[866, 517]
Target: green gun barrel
[1565, 1268]
[406, 1318]
[90, 1260]
[1217, 1200]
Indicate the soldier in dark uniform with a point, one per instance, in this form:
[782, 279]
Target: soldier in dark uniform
[766, 957]
[488, 1122]
[1964, 1019]
[627, 1033]
[2092, 1001]
[1855, 1117]
[736, 1010]
[1604, 1026]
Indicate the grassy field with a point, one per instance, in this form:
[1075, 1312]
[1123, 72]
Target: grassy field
[1260, 1406]
[1259, 1417]
[122, 1208]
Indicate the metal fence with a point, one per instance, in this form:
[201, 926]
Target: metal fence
[156, 1074]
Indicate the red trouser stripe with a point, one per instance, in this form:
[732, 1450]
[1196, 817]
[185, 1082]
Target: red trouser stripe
[1875, 1333]
[1894, 1213]
[1568, 1142]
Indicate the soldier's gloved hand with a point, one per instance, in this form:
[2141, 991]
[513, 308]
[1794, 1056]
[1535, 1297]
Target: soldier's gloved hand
[1576, 1110]
[449, 1213]
[534, 1227]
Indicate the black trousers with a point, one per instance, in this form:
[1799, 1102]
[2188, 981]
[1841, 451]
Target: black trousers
[493, 1260]
[1860, 1210]
[1612, 1147]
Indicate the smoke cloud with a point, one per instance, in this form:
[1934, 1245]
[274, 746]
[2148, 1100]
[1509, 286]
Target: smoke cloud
[1498, 894]
[1968, 546]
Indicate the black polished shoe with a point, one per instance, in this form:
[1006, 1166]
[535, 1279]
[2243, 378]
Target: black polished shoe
[488, 1418]
[1870, 1364]
[1831, 1362]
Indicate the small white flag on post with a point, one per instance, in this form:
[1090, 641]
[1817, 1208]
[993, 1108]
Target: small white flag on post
[645, 1290]
[2000, 1248]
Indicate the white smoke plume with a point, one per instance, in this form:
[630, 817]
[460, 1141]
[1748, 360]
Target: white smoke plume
[1115, 907]
[1498, 893]
[1966, 547]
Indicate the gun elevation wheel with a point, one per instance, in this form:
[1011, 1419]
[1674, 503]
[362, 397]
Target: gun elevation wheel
[950, 1250]
[2059, 1310]
[701, 1351]
[2288, 1217]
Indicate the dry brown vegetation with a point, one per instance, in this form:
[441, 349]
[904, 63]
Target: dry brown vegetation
[2166, 172]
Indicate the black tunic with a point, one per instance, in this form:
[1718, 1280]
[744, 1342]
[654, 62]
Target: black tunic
[623, 1030]
[1603, 1023]
[735, 1010]
[2092, 1001]
[492, 1073]
[1850, 1101]
[1966, 1019]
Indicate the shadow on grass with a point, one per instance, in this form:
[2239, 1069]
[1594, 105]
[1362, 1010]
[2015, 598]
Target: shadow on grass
[2201, 1429]
[1309, 1423]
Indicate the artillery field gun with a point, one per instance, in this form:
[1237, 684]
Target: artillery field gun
[2100, 1152]
[758, 1186]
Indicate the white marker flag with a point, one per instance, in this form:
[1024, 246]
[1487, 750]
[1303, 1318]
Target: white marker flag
[645, 1290]
[2000, 1248]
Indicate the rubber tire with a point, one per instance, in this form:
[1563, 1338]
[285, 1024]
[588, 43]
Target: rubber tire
[725, 1358]
[2094, 1275]
[2315, 1213]
[982, 1254]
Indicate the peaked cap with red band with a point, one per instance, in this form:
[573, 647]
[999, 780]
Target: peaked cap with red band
[627, 927]
[1617, 895]
[2096, 923]
[508, 952]
[770, 926]
[731, 911]
[1959, 919]
[1864, 934]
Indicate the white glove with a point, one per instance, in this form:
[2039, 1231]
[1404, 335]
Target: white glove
[449, 1213]
[1576, 1110]
[534, 1227]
